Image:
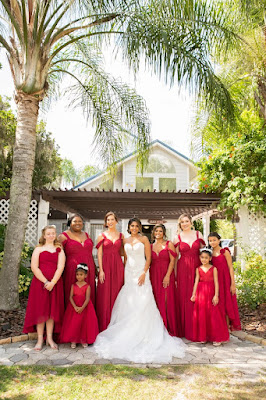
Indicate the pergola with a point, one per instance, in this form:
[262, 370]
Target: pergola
[94, 204]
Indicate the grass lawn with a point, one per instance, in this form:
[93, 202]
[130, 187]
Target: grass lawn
[123, 383]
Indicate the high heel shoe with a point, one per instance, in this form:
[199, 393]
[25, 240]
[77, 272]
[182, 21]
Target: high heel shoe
[51, 343]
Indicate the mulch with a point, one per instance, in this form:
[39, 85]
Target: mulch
[253, 321]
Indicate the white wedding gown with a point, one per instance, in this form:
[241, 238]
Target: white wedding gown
[136, 331]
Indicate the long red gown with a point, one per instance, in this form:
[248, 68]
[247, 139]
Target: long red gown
[113, 268]
[76, 253]
[209, 323]
[228, 302]
[83, 327]
[164, 297]
[186, 268]
[42, 304]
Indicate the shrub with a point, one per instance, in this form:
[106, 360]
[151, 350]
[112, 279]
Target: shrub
[251, 283]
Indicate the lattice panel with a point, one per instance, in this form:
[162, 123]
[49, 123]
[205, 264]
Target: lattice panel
[257, 232]
[4, 210]
[31, 231]
[32, 226]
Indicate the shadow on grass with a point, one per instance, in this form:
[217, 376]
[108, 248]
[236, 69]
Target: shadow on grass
[193, 381]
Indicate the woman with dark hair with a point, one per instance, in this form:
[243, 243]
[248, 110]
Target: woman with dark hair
[136, 331]
[78, 249]
[163, 256]
[188, 243]
[111, 269]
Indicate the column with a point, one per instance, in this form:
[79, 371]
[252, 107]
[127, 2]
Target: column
[43, 211]
[206, 226]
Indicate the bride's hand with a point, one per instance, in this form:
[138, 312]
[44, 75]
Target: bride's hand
[101, 276]
[141, 279]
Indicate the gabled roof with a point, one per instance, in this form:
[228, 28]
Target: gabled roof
[132, 154]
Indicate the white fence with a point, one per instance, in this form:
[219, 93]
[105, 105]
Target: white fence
[32, 226]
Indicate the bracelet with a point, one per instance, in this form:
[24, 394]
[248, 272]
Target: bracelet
[53, 281]
[45, 283]
[145, 272]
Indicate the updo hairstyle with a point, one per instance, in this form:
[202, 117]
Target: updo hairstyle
[135, 219]
[154, 229]
[185, 215]
[70, 219]
[107, 215]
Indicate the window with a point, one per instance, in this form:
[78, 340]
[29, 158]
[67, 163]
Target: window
[160, 165]
[144, 183]
[167, 184]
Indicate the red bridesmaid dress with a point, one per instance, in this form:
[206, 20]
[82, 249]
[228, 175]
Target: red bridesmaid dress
[164, 297]
[83, 327]
[76, 253]
[42, 304]
[186, 269]
[227, 301]
[113, 268]
[209, 323]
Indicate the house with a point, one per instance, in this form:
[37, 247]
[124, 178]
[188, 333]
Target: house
[167, 170]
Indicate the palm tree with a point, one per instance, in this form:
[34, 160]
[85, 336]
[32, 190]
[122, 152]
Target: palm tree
[46, 40]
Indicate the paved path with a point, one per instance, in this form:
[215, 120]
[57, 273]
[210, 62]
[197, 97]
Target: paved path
[245, 356]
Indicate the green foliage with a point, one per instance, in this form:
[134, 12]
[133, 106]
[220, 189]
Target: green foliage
[237, 168]
[72, 176]
[25, 274]
[47, 170]
[251, 283]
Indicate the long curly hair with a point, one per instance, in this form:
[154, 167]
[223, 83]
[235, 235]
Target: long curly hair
[42, 239]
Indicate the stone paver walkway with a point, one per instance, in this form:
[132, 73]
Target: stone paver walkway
[241, 355]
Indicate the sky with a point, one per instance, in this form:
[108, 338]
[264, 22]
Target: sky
[171, 113]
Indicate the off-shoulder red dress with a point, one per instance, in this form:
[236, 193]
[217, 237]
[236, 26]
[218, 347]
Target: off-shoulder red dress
[164, 297]
[113, 268]
[42, 304]
[76, 253]
[186, 269]
[83, 327]
[209, 323]
[228, 302]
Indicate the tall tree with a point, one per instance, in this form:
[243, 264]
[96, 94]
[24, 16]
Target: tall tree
[45, 40]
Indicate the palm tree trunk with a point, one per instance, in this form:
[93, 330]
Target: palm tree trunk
[20, 197]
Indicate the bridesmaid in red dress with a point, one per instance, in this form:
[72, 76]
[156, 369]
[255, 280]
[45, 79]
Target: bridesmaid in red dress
[111, 269]
[78, 248]
[162, 277]
[188, 244]
[209, 323]
[80, 323]
[222, 260]
[46, 296]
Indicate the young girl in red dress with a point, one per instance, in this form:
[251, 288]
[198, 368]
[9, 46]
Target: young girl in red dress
[209, 323]
[222, 260]
[46, 296]
[80, 323]
[111, 270]
[162, 277]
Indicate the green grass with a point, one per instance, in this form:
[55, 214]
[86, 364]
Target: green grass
[123, 383]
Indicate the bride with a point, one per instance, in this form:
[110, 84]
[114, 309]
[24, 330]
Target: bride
[136, 331]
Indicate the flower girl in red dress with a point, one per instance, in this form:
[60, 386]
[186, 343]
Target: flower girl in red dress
[80, 323]
[46, 298]
[209, 323]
